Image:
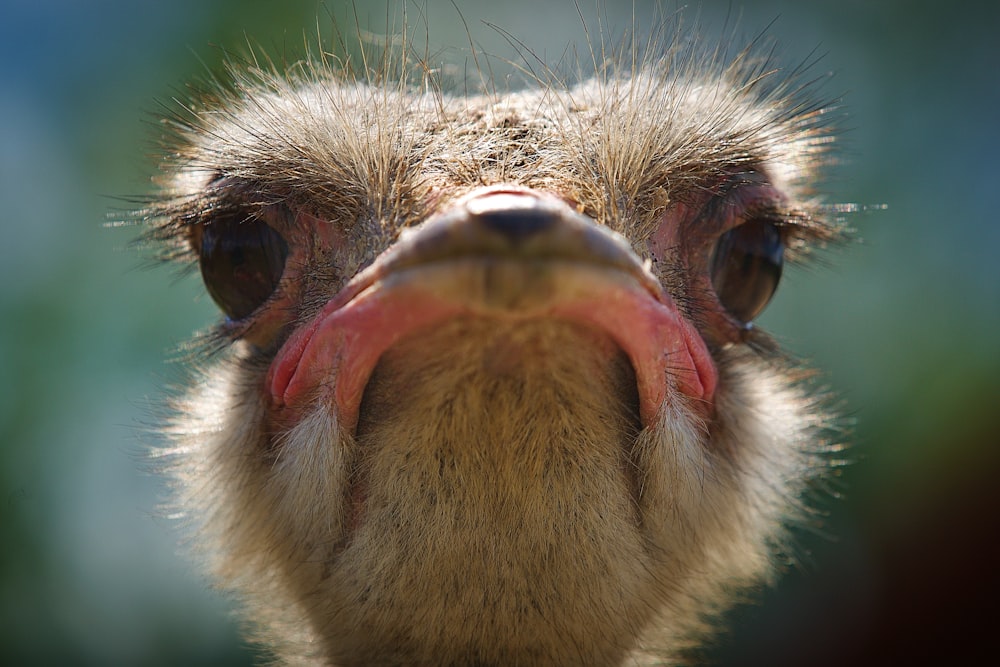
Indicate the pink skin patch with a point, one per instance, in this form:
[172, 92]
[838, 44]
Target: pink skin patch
[332, 358]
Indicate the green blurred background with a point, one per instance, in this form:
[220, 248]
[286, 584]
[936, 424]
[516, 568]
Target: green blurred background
[906, 323]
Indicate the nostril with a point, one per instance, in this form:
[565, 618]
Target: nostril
[515, 216]
[518, 224]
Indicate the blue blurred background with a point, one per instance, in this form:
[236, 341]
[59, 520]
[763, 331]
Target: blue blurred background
[906, 323]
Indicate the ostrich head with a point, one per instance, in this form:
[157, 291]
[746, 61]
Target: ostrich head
[487, 389]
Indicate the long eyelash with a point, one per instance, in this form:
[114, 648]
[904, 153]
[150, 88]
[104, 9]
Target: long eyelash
[167, 228]
[807, 233]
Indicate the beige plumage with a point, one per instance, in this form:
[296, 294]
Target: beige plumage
[487, 391]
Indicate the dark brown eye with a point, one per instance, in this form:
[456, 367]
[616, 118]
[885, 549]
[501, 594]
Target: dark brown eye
[746, 267]
[241, 260]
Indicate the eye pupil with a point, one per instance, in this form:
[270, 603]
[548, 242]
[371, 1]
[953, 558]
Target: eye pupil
[746, 267]
[241, 261]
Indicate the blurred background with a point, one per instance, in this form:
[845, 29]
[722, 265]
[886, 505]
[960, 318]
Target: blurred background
[905, 322]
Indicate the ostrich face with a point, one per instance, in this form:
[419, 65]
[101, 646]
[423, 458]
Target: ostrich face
[487, 390]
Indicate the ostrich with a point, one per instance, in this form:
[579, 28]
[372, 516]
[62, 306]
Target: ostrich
[488, 389]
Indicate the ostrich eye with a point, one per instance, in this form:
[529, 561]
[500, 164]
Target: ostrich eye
[746, 267]
[241, 260]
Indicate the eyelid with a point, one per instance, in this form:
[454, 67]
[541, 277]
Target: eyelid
[734, 203]
[751, 195]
